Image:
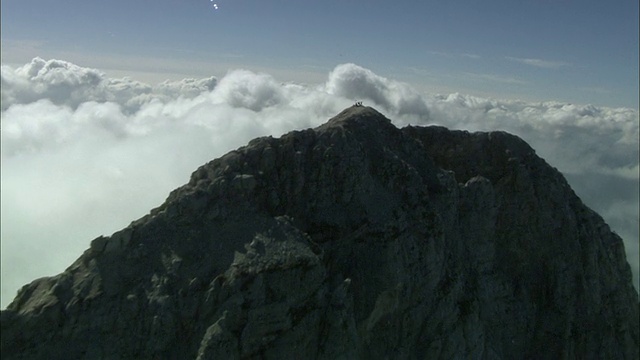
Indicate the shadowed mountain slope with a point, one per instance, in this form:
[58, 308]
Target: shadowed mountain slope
[352, 240]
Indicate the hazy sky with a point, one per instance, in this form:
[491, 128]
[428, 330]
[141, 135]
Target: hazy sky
[85, 151]
[580, 51]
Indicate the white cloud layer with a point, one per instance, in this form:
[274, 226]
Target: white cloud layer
[83, 154]
[64, 83]
[545, 64]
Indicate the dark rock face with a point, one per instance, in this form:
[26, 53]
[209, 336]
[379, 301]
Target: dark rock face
[352, 240]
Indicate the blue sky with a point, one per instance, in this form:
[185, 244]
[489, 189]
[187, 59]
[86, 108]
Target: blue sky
[566, 50]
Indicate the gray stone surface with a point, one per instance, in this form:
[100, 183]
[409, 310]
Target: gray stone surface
[352, 240]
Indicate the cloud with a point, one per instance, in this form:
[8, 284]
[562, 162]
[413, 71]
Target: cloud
[64, 83]
[245, 89]
[83, 154]
[187, 87]
[545, 64]
[355, 82]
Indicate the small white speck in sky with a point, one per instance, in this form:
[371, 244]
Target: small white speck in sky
[215, 6]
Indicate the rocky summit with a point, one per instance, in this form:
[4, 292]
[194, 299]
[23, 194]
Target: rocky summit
[353, 240]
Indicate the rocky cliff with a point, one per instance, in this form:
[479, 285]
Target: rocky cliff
[352, 240]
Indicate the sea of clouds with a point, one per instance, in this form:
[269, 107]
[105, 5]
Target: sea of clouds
[84, 154]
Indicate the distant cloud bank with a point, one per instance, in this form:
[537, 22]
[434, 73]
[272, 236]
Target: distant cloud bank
[64, 83]
[84, 154]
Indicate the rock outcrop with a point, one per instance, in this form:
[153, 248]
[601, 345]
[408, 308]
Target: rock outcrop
[352, 240]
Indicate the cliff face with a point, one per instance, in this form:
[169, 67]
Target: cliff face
[352, 240]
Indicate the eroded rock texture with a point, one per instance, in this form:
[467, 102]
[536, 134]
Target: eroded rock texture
[352, 240]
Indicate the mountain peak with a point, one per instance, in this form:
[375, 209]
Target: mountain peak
[352, 240]
[358, 116]
[359, 112]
